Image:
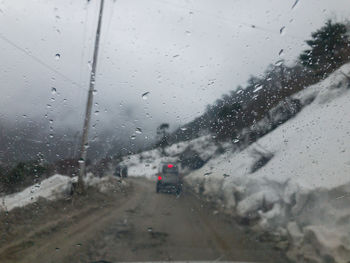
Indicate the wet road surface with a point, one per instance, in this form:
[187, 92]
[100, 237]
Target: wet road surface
[146, 226]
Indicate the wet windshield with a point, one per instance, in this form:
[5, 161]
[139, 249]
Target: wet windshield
[175, 130]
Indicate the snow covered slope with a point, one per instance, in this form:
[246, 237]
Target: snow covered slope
[296, 179]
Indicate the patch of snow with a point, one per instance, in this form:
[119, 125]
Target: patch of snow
[55, 187]
[50, 188]
[104, 184]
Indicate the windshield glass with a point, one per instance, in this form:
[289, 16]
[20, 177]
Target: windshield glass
[169, 168]
[175, 130]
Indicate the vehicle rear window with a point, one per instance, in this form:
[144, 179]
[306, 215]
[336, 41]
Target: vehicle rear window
[167, 169]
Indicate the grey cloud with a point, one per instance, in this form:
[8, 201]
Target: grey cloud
[185, 53]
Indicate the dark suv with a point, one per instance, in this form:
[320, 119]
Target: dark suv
[169, 178]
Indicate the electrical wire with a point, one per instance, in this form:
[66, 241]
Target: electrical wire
[39, 61]
[66, 78]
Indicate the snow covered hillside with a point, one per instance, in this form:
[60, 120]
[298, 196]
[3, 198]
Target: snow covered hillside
[295, 180]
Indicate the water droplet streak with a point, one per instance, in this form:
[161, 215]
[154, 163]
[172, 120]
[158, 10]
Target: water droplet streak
[145, 95]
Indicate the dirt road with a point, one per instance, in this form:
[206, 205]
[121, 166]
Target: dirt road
[139, 226]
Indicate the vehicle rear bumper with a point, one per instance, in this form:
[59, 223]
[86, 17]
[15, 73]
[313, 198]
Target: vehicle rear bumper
[168, 185]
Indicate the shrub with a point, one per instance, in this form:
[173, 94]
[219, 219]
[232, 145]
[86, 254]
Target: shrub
[23, 174]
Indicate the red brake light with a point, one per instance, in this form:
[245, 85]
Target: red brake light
[170, 166]
[159, 178]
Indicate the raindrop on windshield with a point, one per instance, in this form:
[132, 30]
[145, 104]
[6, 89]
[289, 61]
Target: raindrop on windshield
[53, 91]
[57, 56]
[235, 140]
[138, 130]
[282, 29]
[259, 87]
[145, 95]
[183, 129]
[279, 62]
[97, 112]
[281, 52]
[132, 137]
[295, 3]
[94, 92]
[81, 161]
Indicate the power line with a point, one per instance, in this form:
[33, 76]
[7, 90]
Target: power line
[11, 43]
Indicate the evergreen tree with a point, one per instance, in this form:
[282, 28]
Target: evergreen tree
[327, 47]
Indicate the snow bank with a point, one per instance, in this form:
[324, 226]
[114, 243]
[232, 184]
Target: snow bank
[105, 184]
[302, 193]
[55, 187]
[51, 188]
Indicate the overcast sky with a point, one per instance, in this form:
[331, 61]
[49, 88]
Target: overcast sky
[185, 53]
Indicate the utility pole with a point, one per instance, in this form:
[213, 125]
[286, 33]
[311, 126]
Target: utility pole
[85, 134]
